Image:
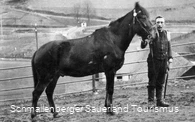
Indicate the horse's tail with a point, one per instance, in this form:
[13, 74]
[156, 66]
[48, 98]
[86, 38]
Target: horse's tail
[34, 72]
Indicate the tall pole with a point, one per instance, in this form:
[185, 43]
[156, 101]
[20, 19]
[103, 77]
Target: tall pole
[1, 28]
[36, 37]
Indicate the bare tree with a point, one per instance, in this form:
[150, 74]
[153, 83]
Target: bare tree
[77, 11]
[88, 10]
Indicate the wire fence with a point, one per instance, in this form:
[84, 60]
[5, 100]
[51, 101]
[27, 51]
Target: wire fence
[86, 80]
[93, 79]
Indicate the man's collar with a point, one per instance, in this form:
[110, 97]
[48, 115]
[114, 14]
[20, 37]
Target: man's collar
[161, 30]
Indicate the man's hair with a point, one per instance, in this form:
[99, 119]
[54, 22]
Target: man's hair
[158, 17]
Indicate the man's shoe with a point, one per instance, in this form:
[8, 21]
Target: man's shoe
[161, 103]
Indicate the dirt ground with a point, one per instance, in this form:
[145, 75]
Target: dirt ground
[129, 103]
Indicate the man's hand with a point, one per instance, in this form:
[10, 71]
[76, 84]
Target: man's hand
[170, 60]
[169, 64]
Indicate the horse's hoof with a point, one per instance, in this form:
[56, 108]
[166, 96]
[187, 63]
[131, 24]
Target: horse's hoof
[111, 113]
[56, 115]
[34, 120]
[33, 115]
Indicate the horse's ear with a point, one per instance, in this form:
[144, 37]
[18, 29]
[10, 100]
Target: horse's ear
[137, 5]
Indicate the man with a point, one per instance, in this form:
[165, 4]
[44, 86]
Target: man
[159, 58]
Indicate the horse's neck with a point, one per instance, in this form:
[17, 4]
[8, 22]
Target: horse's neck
[125, 31]
[127, 38]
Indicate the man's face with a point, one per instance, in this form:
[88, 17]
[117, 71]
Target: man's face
[160, 23]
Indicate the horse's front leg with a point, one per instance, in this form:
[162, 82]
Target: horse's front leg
[109, 91]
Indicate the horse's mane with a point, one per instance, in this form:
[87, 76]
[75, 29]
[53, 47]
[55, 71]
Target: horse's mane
[119, 20]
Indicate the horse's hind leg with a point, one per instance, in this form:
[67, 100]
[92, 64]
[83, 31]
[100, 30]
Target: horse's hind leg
[36, 95]
[49, 92]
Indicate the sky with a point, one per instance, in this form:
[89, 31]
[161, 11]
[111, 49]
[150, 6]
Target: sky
[107, 3]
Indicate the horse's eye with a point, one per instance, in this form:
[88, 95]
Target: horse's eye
[143, 17]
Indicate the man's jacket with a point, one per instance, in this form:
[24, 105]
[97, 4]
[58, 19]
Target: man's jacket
[160, 46]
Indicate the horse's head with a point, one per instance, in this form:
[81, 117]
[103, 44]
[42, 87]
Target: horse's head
[141, 23]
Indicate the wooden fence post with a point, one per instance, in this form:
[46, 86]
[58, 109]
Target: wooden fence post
[36, 37]
[93, 84]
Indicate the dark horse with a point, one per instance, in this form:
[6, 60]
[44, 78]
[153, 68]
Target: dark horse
[102, 51]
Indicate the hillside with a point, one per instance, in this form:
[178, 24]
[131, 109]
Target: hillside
[25, 17]
[173, 10]
[18, 31]
[173, 14]
[19, 38]
[181, 14]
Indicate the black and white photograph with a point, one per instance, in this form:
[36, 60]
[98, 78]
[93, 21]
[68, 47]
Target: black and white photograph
[97, 61]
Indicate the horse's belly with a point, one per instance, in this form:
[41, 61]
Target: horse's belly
[81, 71]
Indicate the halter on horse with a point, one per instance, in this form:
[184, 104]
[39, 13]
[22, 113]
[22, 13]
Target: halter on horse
[102, 51]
